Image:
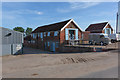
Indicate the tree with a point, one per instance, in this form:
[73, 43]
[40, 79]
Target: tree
[28, 31]
[20, 29]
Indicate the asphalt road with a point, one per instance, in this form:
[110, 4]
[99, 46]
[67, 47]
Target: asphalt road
[109, 73]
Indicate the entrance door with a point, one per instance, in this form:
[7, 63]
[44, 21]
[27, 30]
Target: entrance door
[45, 46]
[52, 47]
[71, 34]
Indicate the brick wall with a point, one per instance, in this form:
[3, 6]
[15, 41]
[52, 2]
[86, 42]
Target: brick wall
[71, 25]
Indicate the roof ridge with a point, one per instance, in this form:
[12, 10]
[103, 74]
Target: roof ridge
[100, 23]
[56, 22]
[52, 27]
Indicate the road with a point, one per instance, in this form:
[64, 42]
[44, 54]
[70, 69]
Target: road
[108, 73]
[87, 65]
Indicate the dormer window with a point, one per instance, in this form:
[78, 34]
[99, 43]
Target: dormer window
[56, 33]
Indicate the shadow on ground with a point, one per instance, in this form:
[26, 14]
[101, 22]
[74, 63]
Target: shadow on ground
[28, 50]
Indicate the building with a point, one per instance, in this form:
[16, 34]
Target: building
[118, 19]
[104, 27]
[53, 36]
[11, 41]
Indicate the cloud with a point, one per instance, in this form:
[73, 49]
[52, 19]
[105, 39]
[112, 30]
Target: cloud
[78, 5]
[18, 17]
[39, 13]
[27, 11]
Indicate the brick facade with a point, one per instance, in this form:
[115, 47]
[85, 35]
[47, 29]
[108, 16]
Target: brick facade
[50, 43]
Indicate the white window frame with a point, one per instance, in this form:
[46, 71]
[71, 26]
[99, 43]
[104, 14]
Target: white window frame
[48, 34]
[56, 33]
[108, 29]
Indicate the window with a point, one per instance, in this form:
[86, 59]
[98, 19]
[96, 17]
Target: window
[108, 31]
[48, 43]
[34, 35]
[44, 33]
[41, 35]
[48, 34]
[57, 44]
[38, 34]
[56, 33]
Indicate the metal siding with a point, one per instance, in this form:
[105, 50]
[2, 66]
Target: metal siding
[17, 48]
[16, 39]
[6, 49]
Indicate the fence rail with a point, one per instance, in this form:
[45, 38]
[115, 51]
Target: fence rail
[75, 42]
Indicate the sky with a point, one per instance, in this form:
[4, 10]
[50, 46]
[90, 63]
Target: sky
[35, 14]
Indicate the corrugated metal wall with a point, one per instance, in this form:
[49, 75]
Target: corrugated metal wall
[11, 44]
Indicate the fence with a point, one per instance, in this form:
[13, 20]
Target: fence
[75, 42]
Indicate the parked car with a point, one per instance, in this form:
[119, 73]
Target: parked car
[99, 38]
[114, 37]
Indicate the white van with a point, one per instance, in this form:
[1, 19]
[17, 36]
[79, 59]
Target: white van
[114, 37]
[99, 38]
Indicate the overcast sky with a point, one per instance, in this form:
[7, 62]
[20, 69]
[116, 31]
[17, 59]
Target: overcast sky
[34, 14]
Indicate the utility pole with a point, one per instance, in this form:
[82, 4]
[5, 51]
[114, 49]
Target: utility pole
[118, 19]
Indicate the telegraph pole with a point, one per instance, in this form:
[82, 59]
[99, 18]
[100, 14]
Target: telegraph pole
[118, 20]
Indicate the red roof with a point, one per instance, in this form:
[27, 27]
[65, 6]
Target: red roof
[98, 27]
[51, 27]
